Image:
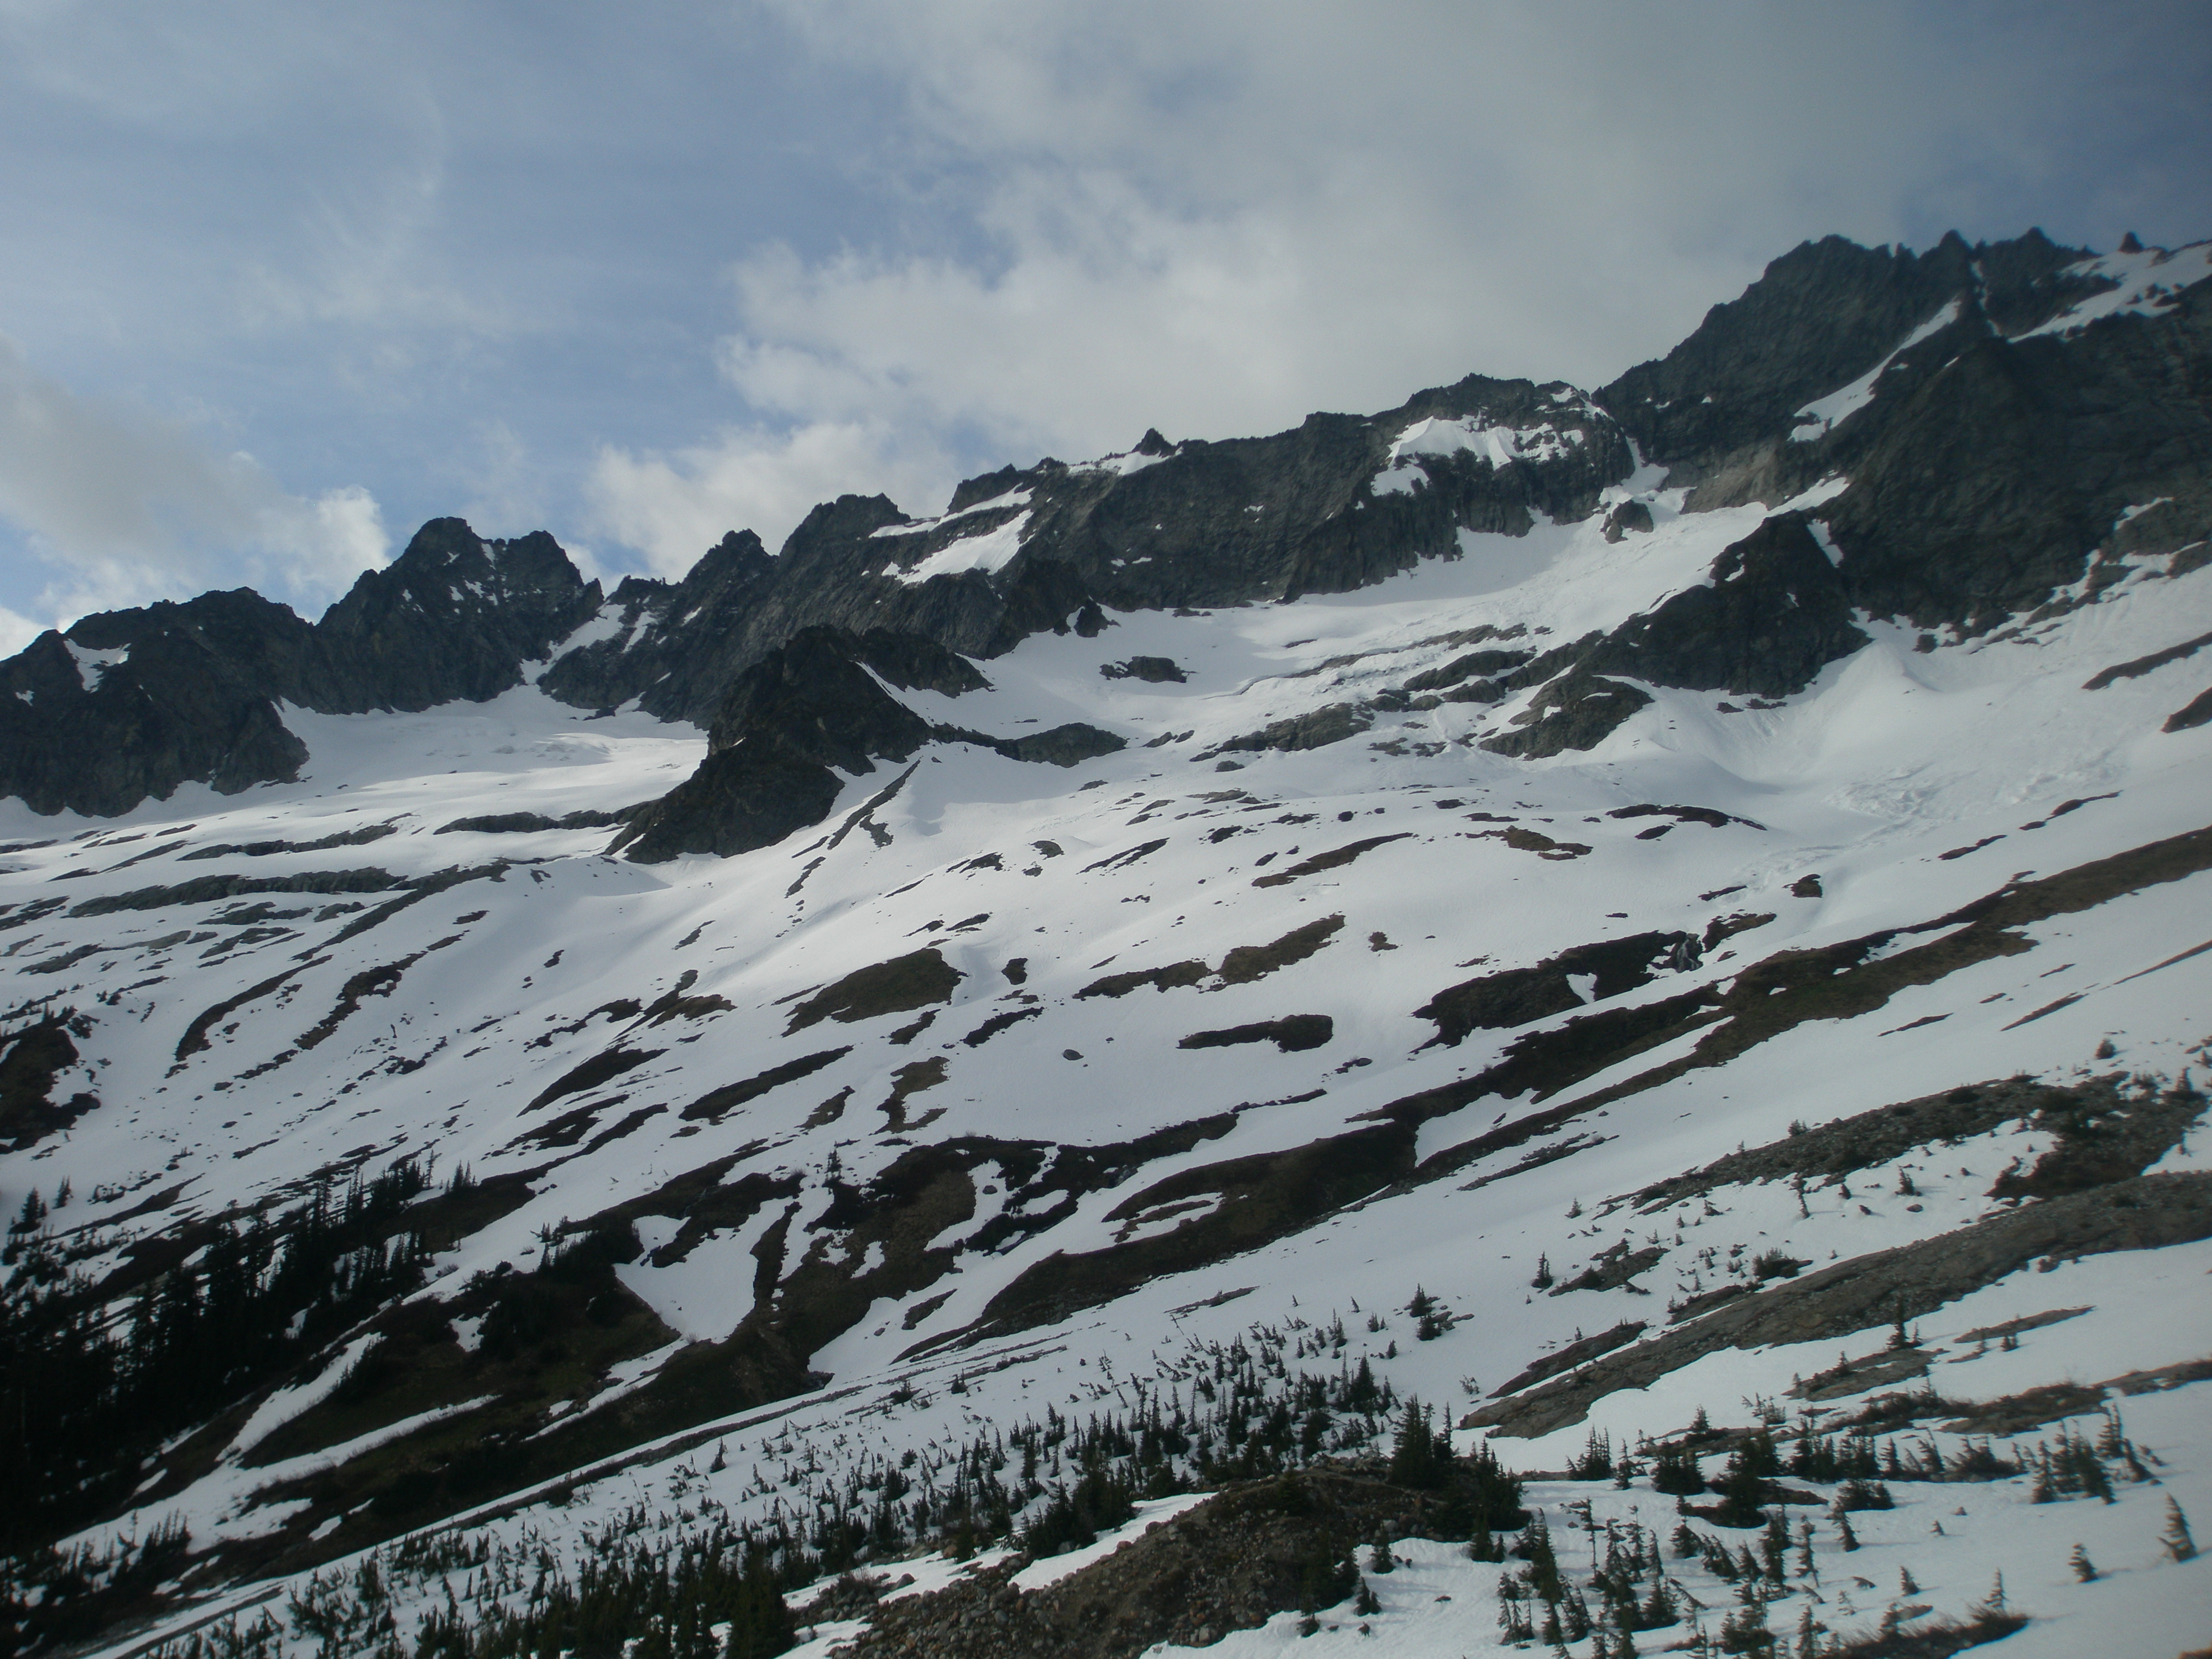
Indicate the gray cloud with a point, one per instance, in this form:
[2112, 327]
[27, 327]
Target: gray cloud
[1173, 216]
[122, 506]
[656, 273]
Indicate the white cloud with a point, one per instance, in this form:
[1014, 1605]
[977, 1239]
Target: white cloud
[369, 259]
[125, 506]
[673, 509]
[16, 632]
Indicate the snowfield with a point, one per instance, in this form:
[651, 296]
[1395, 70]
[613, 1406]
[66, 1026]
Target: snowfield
[242, 1044]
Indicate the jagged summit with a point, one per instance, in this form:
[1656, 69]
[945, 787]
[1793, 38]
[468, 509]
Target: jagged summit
[131, 703]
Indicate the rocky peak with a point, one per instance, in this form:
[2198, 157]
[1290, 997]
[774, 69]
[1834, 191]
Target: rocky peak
[676, 646]
[1819, 317]
[454, 616]
[131, 703]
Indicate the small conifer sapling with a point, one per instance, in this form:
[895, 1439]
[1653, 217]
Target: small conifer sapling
[2179, 1544]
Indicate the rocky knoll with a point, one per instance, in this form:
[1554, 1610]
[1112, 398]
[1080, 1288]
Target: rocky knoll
[814, 705]
[1256, 1549]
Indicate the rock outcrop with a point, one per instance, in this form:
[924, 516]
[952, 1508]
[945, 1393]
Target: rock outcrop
[815, 708]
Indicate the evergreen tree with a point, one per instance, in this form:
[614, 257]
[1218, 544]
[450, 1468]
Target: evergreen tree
[1675, 1472]
[2179, 1544]
[1413, 1456]
[1543, 1563]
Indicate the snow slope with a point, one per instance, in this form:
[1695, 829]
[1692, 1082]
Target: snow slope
[1902, 784]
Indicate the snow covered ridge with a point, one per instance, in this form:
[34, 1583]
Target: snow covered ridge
[2142, 281]
[1596, 966]
[1471, 435]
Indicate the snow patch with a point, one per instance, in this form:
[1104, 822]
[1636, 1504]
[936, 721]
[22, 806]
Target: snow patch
[986, 552]
[92, 665]
[2147, 282]
[923, 526]
[1469, 435]
[1824, 415]
[282, 1407]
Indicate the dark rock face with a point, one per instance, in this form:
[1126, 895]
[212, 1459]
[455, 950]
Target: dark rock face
[31, 1061]
[811, 706]
[1291, 1034]
[1987, 467]
[898, 987]
[677, 646]
[1578, 710]
[1063, 745]
[1628, 519]
[1992, 480]
[2197, 712]
[191, 700]
[1775, 616]
[131, 703]
[453, 617]
[1473, 665]
[1154, 670]
[813, 697]
[808, 707]
[1517, 996]
[913, 664]
[1331, 723]
[1182, 530]
[737, 800]
[516, 823]
[1819, 317]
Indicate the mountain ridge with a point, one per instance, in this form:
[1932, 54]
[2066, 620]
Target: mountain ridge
[1044, 1039]
[1339, 502]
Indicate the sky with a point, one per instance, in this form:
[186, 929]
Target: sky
[278, 283]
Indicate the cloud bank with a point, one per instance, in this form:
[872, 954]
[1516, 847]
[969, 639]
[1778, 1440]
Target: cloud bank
[122, 506]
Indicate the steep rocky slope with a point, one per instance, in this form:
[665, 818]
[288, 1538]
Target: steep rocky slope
[1579, 909]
